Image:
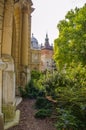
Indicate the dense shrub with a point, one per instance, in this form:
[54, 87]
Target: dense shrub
[73, 97]
[68, 87]
[66, 120]
[35, 74]
[51, 81]
[44, 107]
[43, 113]
[42, 102]
[31, 91]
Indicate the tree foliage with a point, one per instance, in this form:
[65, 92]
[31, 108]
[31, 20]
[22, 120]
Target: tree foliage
[70, 46]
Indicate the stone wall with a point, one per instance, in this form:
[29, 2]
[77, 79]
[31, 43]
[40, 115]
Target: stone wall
[22, 33]
[46, 59]
[1, 21]
[15, 30]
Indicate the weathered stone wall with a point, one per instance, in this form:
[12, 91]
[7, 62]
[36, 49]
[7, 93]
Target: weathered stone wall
[21, 40]
[1, 21]
[1, 64]
[8, 74]
[15, 29]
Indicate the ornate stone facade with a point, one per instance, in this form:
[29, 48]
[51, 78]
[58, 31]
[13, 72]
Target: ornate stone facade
[15, 32]
[35, 54]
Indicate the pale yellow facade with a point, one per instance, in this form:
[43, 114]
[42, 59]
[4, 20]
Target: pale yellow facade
[35, 60]
[15, 38]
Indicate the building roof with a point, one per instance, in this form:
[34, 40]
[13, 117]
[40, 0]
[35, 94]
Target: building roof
[34, 43]
[47, 44]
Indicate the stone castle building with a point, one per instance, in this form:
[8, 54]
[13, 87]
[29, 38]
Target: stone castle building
[41, 55]
[15, 39]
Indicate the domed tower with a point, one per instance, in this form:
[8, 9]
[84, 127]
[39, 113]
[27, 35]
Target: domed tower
[34, 43]
[35, 54]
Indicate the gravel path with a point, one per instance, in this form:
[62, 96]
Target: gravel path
[27, 120]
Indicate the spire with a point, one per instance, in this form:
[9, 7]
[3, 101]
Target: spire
[47, 44]
[46, 35]
[47, 40]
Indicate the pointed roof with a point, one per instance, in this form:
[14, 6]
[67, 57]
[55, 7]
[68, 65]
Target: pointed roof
[47, 41]
[47, 44]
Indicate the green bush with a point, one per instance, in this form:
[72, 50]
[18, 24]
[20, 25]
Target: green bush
[27, 91]
[42, 102]
[43, 113]
[35, 74]
[68, 87]
[31, 91]
[66, 120]
[73, 96]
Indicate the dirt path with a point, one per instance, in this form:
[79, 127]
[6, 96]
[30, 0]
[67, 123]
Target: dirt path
[27, 120]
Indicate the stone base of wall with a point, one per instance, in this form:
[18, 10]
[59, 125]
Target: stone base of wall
[1, 122]
[9, 112]
[15, 121]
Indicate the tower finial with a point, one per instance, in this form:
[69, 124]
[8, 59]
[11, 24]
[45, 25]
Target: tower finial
[46, 35]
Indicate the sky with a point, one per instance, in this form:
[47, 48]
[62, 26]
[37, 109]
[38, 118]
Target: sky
[47, 15]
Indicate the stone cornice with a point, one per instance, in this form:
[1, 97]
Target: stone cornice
[25, 5]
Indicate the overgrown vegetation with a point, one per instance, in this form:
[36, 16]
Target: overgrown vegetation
[68, 88]
[43, 113]
[31, 90]
[42, 102]
[44, 107]
[70, 56]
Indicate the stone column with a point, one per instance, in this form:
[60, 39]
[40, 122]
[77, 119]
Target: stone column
[1, 115]
[17, 42]
[7, 28]
[25, 36]
[8, 97]
[29, 34]
[2, 67]
[1, 22]
[28, 75]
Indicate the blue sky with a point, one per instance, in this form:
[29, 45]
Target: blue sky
[47, 15]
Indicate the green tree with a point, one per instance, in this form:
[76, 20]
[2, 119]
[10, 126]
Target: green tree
[70, 46]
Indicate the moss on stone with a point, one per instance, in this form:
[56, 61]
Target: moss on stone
[9, 112]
